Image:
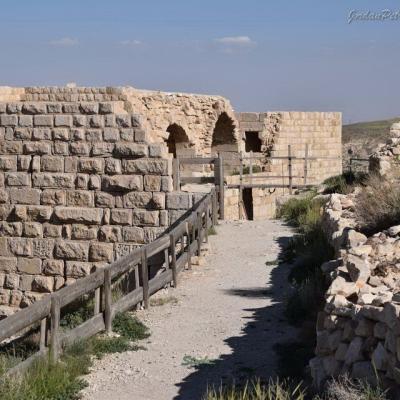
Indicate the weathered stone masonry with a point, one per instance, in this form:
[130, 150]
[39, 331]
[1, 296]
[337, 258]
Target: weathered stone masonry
[79, 187]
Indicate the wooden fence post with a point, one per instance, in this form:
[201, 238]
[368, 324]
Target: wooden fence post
[43, 333]
[145, 278]
[173, 260]
[176, 174]
[55, 327]
[107, 301]
[290, 170]
[97, 298]
[199, 231]
[241, 186]
[214, 207]
[221, 186]
[305, 165]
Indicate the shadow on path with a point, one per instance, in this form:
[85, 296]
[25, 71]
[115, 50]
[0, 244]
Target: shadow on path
[252, 353]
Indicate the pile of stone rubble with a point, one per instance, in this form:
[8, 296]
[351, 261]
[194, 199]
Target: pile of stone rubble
[358, 331]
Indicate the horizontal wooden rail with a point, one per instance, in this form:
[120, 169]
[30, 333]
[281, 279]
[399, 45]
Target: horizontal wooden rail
[171, 245]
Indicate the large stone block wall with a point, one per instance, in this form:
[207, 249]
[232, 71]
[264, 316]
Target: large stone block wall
[80, 186]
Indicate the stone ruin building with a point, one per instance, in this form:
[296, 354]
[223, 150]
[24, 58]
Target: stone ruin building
[85, 173]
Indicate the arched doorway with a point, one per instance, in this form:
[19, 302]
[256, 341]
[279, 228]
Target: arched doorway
[223, 138]
[177, 141]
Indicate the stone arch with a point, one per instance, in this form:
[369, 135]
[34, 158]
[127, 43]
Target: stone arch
[178, 141]
[223, 137]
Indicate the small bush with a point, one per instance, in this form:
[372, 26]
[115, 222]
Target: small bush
[129, 327]
[378, 205]
[344, 183]
[274, 390]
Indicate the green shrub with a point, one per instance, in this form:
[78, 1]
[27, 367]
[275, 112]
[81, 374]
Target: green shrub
[378, 205]
[345, 183]
[129, 327]
[274, 390]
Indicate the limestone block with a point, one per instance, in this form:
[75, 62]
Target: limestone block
[110, 233]
[122, 182]
[112, 166]
[101, 252]
[91, 165]
[89, 108]
[80, 198]
[111, 134]
[166, 184]
[83, 232]
[31, 266]
[95, 182]
[78, 215]
[354, 352]
[127, 134]
[93, 135]
[43, 284]
[158, 150]
[8, 264]
[24, 196]
[75, 269]
[52, 164]
[53, 180]
[11, 281]
[11, 147]
[79, 120]
[15, 298]
[106, 108]
[82, 181]
[124, 149]
[103, 199]
[6, 211]
[359, 269]
[43, 120]
[25, 282]
[8, 120]
[144, 217]
[53, 267]
[53, 108]
[69, 250]
[145, 166]
[133, 234]
[164, 218]
[63, 120]
[120, 216]
[8, 163]
[3, 196]
[33, 229]
[41, 134]
[151, 234]
[24, 163]
[178, 201]
[25, 121]
[79, 148]
[158, 200]
[152, 183]
[20, 246]
[10, 228]
[42, 248]
[123, 120]
[17, 179]
[62, 134]
[60, 148]
[51, 231]
[39, 213]
[34, 108]
[53, 197]
[137, 200]
[4, 296]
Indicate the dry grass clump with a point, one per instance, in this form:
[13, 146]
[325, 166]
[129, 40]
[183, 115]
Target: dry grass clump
[378, 205]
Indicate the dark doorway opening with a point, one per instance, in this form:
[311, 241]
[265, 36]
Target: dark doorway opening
[252, 142]
[248, 203]
[177, 139]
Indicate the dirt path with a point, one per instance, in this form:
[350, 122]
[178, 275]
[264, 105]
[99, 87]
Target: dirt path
[227, 317]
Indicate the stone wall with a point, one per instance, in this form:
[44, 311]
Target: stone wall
[358, 330]
[80, 186]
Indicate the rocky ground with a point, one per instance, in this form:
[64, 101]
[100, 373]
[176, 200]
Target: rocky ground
[220, 324]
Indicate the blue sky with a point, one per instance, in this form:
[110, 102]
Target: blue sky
[262, 55]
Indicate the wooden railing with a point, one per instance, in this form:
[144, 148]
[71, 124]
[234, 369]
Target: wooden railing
[175, 248]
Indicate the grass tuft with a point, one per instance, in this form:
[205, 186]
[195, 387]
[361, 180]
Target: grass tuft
[345, 183]
[161, 301]
[129, 327]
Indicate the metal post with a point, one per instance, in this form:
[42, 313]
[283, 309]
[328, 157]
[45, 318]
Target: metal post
[221, 186]
[290, 169]
[241, 186]
[305, 165]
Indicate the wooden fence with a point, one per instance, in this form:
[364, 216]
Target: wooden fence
[176, 249]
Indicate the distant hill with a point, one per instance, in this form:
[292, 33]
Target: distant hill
[364, 137]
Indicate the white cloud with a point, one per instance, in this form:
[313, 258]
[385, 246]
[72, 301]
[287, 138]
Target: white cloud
[65, 42]
[236, 41]
[134, 42]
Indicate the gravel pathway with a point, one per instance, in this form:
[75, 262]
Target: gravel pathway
[225, 317]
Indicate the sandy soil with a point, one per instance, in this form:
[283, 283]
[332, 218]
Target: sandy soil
[228, 314]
